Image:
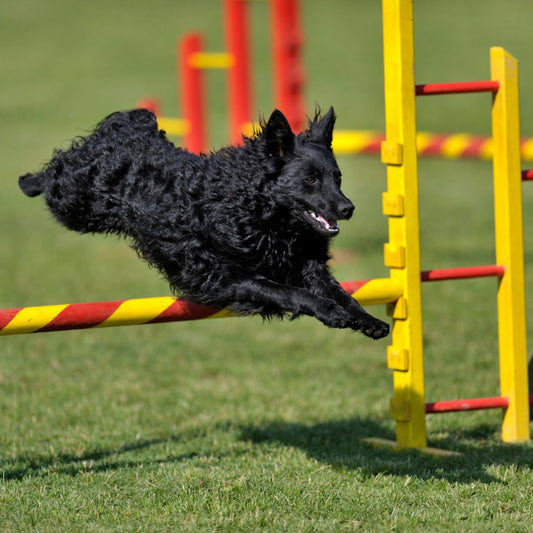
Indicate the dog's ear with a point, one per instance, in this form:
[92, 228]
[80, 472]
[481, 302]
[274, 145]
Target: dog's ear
[279, 139]
[321, 129]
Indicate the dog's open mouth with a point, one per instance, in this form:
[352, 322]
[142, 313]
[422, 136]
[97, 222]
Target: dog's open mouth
[325, 225]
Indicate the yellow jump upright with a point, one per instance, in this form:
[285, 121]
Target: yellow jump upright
[400, 204]
[402, 252]
[509, 246]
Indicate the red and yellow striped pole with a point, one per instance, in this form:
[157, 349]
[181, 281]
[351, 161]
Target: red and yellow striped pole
[428, 144]
[361, 142]
[150, 310]
[100, 314]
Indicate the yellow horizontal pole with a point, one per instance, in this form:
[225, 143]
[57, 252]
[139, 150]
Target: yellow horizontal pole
[173, 126]
[379, 291]
[356, 141]
[211, 60]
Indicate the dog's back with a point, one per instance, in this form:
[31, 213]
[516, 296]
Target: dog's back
[84, 185]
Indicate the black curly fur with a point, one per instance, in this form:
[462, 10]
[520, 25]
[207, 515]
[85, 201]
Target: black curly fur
[246, 227]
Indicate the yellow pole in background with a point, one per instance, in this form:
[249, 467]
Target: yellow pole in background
[400, 203]
[509, 246]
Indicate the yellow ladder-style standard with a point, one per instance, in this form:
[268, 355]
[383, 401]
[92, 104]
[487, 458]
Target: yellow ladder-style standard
[402, 252]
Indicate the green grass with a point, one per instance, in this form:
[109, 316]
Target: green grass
[236, 425]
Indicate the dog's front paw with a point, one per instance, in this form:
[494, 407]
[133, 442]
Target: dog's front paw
[373, 327]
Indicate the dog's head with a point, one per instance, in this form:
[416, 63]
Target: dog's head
[304, 173]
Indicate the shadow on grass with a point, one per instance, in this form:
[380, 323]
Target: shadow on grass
[90, 461]
[339, 444]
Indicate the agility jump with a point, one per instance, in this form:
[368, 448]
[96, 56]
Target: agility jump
[402, 252]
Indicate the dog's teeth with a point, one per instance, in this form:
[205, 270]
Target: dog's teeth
[323, 221]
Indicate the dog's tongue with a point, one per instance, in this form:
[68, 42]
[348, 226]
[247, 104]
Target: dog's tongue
[329, 226]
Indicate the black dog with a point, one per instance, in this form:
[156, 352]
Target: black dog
[246, 227]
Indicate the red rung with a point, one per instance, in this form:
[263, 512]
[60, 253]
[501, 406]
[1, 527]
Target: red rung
[455, 88]
[462, 273]
[473, 404]
[527, 175]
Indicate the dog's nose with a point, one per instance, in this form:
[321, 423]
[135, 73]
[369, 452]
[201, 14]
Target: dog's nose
[346, 210]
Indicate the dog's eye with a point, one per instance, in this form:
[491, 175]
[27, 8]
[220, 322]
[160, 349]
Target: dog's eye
[310, 179]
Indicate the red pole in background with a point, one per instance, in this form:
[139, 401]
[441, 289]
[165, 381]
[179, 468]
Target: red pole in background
[191, 82]
[150, 103]
[239, 76]
[287, 40]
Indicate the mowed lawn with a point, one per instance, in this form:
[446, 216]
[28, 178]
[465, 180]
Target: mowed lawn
[235, 424]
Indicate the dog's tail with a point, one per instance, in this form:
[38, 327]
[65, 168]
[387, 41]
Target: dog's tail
[31, 184]
[68, 198]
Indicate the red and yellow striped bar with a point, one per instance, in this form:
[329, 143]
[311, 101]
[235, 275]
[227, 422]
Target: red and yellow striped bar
[101, 314]
[355, 142]
[451, 146]
[151, 310]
